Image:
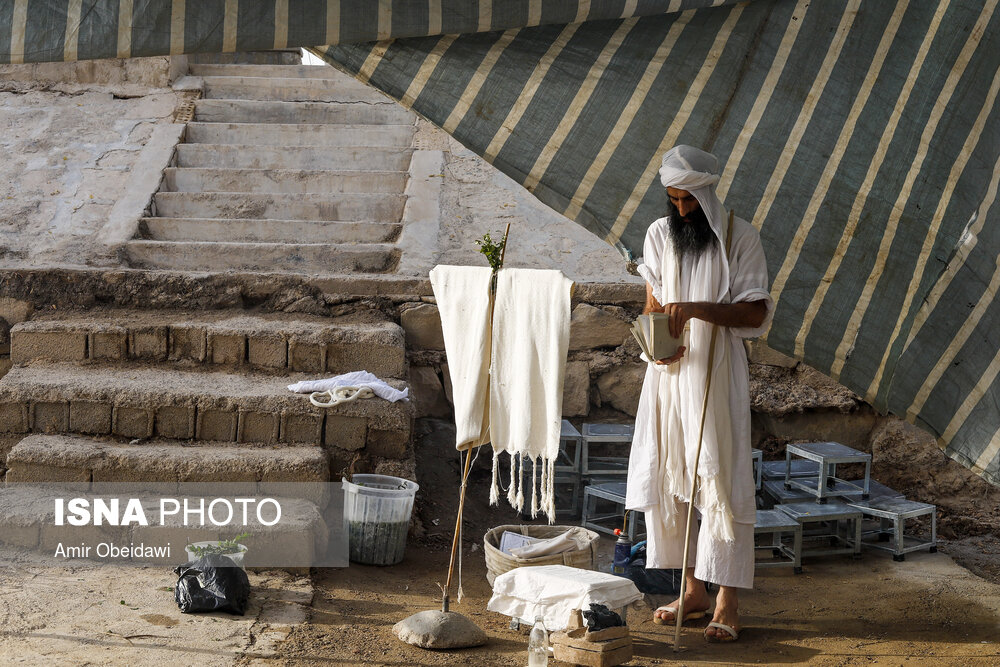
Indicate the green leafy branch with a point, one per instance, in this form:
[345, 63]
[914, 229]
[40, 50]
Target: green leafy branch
[230, 546]
[492, 250]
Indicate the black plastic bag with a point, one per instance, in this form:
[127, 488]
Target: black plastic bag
[601, 618]
[212, 583]
[652, 581]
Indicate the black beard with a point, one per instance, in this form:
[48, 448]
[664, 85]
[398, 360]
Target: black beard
[691, 235]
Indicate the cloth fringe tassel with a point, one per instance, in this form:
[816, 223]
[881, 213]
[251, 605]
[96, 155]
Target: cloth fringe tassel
[543, 500]
[718, 515]
[495, 486]
[512, 489]
[534, 488]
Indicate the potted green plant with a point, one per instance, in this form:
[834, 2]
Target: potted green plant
[231, 548]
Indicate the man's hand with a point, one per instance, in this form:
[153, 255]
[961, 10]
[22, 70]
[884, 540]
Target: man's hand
[679, 314]
[669, 360]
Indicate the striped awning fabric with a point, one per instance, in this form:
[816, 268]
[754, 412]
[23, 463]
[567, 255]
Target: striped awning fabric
[860, 137]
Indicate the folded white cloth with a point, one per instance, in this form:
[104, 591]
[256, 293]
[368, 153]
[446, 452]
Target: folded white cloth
[463, 299]
[356, 379]
[553, 591]
[572, 540]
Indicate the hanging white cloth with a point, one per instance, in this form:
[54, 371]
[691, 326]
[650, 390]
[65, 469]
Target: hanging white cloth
[463, 300]
[528, 370]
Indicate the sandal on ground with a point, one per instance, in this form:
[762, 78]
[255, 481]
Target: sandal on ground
[688, 616]
[733, 633]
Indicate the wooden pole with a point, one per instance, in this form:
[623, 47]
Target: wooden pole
[468, 459]
[679, 620]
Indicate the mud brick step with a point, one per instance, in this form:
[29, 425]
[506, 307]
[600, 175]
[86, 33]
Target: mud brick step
[142, 402]
[68, 458]
[271, 341]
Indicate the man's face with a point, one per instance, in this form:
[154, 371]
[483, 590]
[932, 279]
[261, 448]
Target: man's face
[689, 229]
[684, 202]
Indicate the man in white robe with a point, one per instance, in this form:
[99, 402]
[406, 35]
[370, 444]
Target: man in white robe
[690, 277]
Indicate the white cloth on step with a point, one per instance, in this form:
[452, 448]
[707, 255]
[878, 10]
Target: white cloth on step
[355, 379]
[528, 370]
[554, 591]
[463, 300]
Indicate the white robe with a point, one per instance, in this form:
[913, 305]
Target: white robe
[747, 281]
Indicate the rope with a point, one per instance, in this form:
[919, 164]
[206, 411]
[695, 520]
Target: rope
[339, 395]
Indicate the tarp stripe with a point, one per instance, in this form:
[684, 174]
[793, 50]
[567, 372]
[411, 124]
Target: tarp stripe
[957, 169]
[863, 193]
[895, 213]
[777, 66]
[832, 165]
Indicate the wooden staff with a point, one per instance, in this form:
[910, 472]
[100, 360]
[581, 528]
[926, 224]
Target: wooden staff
[468, 455]
[694, 489]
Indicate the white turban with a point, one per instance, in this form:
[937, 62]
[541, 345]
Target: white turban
[688, 168]
[694, 170]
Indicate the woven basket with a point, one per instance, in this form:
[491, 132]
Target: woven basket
[497, 562]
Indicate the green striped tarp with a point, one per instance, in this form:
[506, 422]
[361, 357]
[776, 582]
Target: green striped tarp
[859, 136]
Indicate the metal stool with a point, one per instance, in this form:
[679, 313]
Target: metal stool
[799, 468]
[775, 494]
[778, 523]
[613, 492]
[896, 511]
[833, 512]
[568, 468]
[827, 455]
[757, 458]
[605, 465]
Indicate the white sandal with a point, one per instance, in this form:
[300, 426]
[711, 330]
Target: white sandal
[734, 634]
[688, 616]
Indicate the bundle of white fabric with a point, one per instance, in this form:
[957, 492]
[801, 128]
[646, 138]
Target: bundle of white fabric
[508, 369]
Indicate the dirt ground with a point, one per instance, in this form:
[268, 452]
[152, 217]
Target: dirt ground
[839, 611]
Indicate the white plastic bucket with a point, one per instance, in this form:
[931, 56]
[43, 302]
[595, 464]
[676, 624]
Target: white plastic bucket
[377, 509]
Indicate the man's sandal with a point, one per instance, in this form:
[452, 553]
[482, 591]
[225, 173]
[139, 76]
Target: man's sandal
[688, 616]
[733, 633]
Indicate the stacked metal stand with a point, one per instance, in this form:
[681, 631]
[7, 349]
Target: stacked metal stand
[805, 507]
[835, 515]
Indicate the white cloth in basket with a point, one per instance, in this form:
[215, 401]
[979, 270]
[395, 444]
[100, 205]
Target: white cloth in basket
[553, 591]
[574, 539]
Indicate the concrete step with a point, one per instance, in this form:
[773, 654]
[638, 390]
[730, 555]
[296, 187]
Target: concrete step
[312, 259]
[267, 231]
[274, 341]
[352, 158]
[306, 134]
[266, 111]
[247, 206]
[69, 458]
[277, 71]
[283, 181]
[144, 402]
[282, 57]
[334, 89]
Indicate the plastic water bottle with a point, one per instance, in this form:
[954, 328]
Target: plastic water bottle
[538, 644]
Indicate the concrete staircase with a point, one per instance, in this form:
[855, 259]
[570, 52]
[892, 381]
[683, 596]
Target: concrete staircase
[286, 169]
